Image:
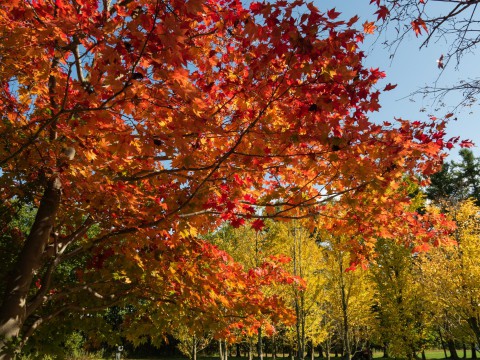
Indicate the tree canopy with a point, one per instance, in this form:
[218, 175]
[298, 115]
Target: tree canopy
[133, 127]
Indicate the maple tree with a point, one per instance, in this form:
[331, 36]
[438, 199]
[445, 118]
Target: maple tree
[131, 127]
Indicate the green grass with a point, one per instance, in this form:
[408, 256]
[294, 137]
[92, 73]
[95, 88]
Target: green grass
[430, 354]
[433, 354]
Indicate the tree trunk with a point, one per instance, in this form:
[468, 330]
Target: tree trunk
[327, 349]
[452, 349]
[473, 323]
[424, 357]
[274, 347]
[260, 345]
[464, 346]
[385, 351]
[443, 343]
[13, 312]
[474, 352]
[346, 343]
[238, 350]
[220, 349]
[250, 352]
[226, 350]
[194, 348]
[299, 308]
[312, 347]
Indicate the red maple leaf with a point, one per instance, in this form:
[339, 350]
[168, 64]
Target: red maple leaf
[258, 225]
[390, 87]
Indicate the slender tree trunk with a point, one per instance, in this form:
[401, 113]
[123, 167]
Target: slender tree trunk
[13, 312]
[443, 343]
[312, 347]
[260, 345]
[194, 347]
[250, 351]
[346, 342]
[238, 350]
[220, 350]
[464, 346]
[327, 349]
[274, 347]
[385, 351]
[424, 357]
[474, 352]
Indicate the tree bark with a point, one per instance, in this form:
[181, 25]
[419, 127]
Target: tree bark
[443, 343]
[385, 351]
[452, 349]
[474, 351]
[250, 352]
[194, 348]
[346, 343]
[274, 347]
[473, 323]
[13, 312]
[260, 345]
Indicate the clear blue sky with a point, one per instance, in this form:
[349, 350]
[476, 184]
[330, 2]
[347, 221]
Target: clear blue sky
[412, 68]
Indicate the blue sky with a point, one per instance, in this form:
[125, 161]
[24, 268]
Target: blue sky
[412, 68]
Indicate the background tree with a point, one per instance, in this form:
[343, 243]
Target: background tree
[190, 344]
[348, 296]
[457, 181]
[453, 272]
[296, 241]
[402, 312]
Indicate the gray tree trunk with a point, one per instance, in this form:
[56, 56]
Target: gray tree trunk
[13, 312]
[220, 350]
[260, 345]
[194, 348]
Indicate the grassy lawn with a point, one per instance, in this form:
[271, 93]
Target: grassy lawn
[431, 354]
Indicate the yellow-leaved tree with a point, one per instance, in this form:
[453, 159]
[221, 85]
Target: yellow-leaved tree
[347, 299]
[453, 276]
